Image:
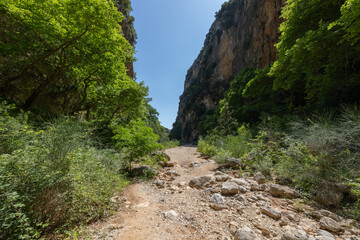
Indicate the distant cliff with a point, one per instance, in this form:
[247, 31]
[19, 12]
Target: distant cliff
[242, 35]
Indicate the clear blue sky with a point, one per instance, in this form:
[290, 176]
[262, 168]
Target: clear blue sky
[171, 34]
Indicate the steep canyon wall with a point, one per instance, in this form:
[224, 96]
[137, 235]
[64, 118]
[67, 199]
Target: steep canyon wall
[243, 35]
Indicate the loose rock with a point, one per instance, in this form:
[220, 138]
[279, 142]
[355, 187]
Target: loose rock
[325, 235]
[329, 198]
[244, 233]
[160, 183]
[218, 207]
[233, 163]
[327, 223]
[170, 164]
[171, 214]
[294, 234]
[259, 177]
[229, 188]
[198, 182]
[217, 199]
[279, 191]
[273, 213]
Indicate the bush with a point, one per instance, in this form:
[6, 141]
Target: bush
[52, 178]
[136, 139]
[170, 144]
[206, 148]
[224, 147]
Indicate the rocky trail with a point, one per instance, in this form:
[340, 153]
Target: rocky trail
[191, 199]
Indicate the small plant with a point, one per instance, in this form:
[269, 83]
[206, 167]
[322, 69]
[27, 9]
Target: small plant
[222, 156]
[206, 148]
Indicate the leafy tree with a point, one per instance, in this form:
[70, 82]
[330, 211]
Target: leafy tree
[137, 139]
[318, 60]
[71, 47]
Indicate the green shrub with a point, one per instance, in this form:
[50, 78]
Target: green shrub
[224, 147]
[53, 178]
[206, 148]
[222, 156]
[170, 144]
[136, 139]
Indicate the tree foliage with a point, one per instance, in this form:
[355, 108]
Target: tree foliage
[71, 48]
[318, 60]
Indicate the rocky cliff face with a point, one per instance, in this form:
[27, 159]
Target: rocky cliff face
[243, 35]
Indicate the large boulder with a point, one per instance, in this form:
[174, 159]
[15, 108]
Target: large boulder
[229, 188]
[329, 198]
[329, 224]
[280, 191]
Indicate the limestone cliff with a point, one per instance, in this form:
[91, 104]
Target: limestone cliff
[242, 35]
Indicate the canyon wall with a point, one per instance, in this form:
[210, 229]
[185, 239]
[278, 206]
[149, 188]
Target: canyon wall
[243, 35]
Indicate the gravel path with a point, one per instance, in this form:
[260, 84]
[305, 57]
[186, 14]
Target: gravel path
[168, 208]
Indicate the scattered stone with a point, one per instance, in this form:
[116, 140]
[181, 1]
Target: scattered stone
[233, 227]
[336, 186]
[244, 233]
[174, 188]
[233, 163]
[264, 230]
[258, 187]
[262, 198]
[259, 177]
[198, 182]
[189, 217]
[221, 178]
[294, 234]
[171, 214]
[283, 222]
[172, 173]
[217, 199]
[280, 191]
[327, 223]
[160, 183]
[182, 184]
[115, 199]
[329, 198]
[325, 213]
[194, 164]
[240, 182]
[218, 207]
[142, 205]
[229, 188]
[325, 234]
[273, 213]
[170, 164]
[242, 189]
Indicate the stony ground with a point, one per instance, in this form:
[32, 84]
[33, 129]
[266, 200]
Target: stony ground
[191, 199]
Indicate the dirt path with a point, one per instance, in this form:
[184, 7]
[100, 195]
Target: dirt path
[168, 208]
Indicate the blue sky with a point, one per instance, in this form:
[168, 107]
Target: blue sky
[171, 34]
